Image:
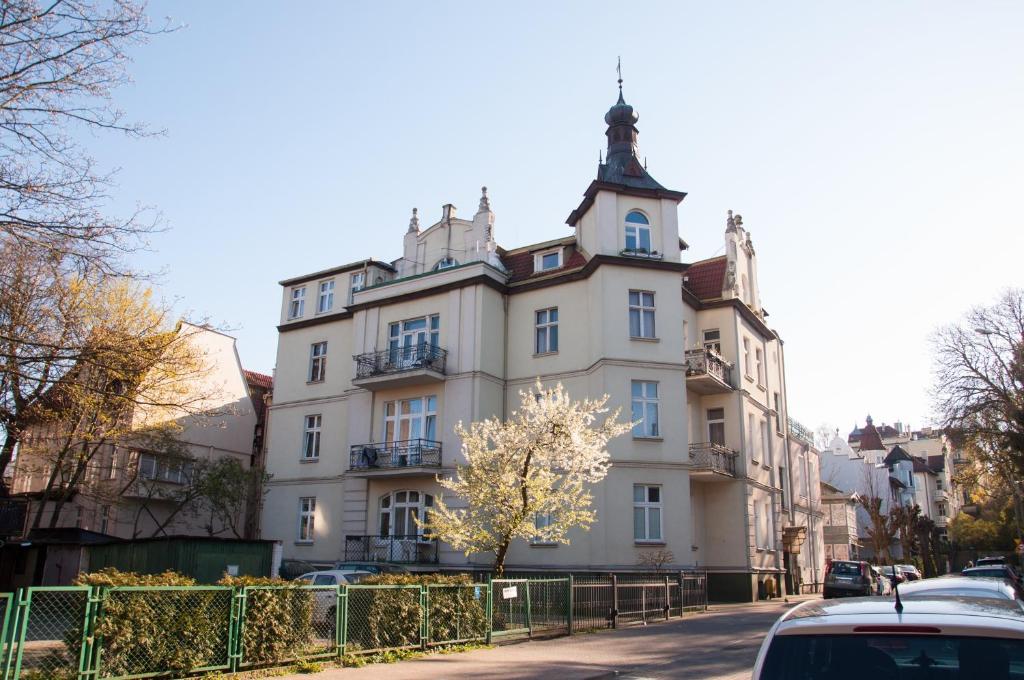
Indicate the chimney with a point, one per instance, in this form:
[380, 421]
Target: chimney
[447, 212]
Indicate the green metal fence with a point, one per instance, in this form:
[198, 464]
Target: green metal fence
[128, 632]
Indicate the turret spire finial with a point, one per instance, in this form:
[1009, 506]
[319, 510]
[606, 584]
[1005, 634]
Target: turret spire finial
[618, 69]
[485, 203]
[414, 223]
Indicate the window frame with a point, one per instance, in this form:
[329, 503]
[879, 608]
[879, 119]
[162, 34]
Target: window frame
[547, 329]
[713, 344]
[778, 414]
[639, 229]
[538, 260]
[752, 438]
[325, 297]
[297, 303]
[354, 287]
[540, 521]
[759, 365]
[425, 502]
[317, 362]
[426, 417]
[311, 437]
[709, 420]
[641, 310]
[647, 506]
[645, 400]
[746, 359]
[307, 520]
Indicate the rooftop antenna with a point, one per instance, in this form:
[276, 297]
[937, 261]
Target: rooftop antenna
[896, 589]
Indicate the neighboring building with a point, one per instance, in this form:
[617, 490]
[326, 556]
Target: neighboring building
[377, 361]
[803, 512]
[123, 492]
[842, 541]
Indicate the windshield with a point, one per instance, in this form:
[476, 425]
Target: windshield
[846, 569]
[998, 573]
[892, 657]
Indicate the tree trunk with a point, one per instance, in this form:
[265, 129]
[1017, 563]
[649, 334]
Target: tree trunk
[499, 556]
[6, 455]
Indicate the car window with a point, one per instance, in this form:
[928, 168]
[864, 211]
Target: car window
[356, 576]
[308, 578]
[997, 573]
[325, 580]
[892, 657]
[846, 569]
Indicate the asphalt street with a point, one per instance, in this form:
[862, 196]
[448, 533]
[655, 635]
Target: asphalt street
[719, 645]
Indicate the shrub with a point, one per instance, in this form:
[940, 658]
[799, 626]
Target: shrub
[279, 623]
[157, 630]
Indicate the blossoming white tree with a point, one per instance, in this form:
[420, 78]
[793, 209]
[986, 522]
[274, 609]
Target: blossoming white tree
[527, 477]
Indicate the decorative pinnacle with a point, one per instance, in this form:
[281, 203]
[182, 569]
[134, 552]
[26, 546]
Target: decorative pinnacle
[618, 69]
[485, 203]
[414, 223]
[730, 223]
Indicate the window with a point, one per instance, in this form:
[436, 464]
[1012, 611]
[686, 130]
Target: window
[647, 513]
[758, 526]
[638, 233]
[784, 485]
[170, 470]
[546, 334]
[769, 521]
[104, 518]
[298, 303]
[752, 438]
[399, 511]
[110, 472]
[938, 483]
[759, 358]
[408, 341]
[551, 259]
[445, 263]
[716, 426]
[326, 299]
[541, 521]
[356, 283]
[325, 580]
[307, 515]
[410, 419]
[645, 409]
[641, 314]
[778, 413]
[318, 361]
[942, 508]
[746, 356]
[766, 443]
[713, 340]
[311, 438]
[801, 463]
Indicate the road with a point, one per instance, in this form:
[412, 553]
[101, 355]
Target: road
[718, 645]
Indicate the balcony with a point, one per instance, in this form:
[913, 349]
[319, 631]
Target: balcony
[707, 372]
[403, 366]
[941, 495]
[394, 459]
[393, 549]
[711, 461]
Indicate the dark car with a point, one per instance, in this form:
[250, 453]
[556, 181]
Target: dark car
[996, 571]
[989, 561]
[849, 579]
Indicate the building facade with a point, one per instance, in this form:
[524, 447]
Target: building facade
[377, 361]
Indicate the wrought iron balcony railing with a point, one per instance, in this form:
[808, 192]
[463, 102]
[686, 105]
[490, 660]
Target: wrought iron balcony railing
[409, 549]
[714, 457]
[708, 362]
[400, 359]
[399, 454]
[801, 432]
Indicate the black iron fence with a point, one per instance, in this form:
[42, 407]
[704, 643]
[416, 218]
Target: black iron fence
[398, 359]
[714, 457]
[708, 362]
[410, 549]
[397, 454]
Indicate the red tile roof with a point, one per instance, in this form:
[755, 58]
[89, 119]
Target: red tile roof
[258, 379]
[520, 264]
[937, 462]
[706, 278]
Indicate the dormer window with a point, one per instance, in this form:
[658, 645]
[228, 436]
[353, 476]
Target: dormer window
[445, 263]
[638, 234]
[298, 303]
[551, 259]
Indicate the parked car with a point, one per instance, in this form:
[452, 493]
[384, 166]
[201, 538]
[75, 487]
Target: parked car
[985, 561]
[996, 571]
[847, 578]
[325, 603]
[962, 586]
[883, 585]
[936, 637]
[909, 571]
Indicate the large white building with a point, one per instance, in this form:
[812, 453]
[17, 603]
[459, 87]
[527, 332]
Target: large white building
[377, 361]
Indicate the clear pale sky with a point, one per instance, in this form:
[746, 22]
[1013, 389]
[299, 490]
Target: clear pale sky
[874, 149]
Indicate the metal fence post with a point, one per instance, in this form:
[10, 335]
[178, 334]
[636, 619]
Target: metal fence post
[24, 609]
[529, 613]
[339, 615]
[572, 603]
[668, 599]
[682, 594]
[236, 619]
[425, 617]
[490, 608]
[614, 613]
[93, 658]
[343, 614]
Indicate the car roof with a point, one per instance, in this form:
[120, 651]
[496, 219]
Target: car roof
[986, 567]
[952, 585]
[336, 572]
[998, 616]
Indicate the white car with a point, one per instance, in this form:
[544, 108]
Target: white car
[868, 639]
[961, 586]
[326, 604]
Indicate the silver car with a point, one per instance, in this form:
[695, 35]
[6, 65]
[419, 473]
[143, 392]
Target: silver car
[961, 586]
[869, 639]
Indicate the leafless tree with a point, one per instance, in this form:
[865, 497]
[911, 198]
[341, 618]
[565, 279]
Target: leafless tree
[655, 560]
[874, 500]
[979, 386]
[60, 61]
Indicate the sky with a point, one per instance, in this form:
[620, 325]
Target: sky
[874, 149]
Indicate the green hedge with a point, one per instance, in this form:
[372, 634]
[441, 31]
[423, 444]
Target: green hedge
[279, 624]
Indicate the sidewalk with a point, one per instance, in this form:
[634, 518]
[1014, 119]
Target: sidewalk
[720, 644]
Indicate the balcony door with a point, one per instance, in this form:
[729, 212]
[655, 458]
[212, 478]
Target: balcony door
[408, 340]
[399, 511]
[406, 423]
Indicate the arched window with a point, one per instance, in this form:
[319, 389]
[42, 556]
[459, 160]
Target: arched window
[399, 511]
[445, 263]
[638, 233]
